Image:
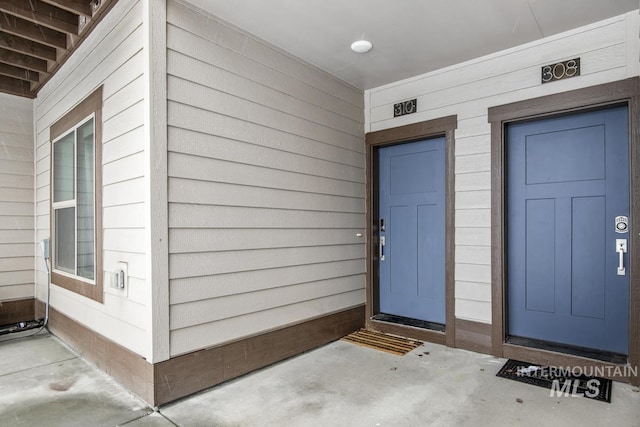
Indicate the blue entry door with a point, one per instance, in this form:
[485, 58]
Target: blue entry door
[412, 220]
[567, 181]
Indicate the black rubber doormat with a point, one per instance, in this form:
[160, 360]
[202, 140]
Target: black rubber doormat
[561, 381]
[380, 341]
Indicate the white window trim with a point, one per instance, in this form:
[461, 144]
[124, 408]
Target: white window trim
[73, 203]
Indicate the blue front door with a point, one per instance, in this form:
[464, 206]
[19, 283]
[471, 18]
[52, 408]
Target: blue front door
[412, 220]
[567, 181]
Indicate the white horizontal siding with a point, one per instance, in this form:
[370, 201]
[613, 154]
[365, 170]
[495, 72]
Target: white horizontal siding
[211, 310]
[11, 291]
[199, 96]
[17, 247]
[126, 145]
[245, 51]
[473, 218]
[208, 287]
[207, 169]
[190, 240]
[212, 263]
[111, 56]
[207, 192]
[271, 101]
[199, 336]
[609, 51]
[286, 153]
[266, 186]
[209, 216]
[119, 319]
[11, 250]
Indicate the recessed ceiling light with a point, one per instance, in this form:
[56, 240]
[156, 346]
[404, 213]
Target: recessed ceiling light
[361, 46]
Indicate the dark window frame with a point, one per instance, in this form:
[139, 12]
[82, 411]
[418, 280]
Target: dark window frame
[91, 105]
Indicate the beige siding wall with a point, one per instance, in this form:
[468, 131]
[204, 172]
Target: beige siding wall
[266, 185]
[609, 51]
[111, 56]
[16, 198]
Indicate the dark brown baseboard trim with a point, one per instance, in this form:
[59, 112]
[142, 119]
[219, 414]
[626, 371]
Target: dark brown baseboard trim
[129, 369]
[473, 336]
[193, 372]
[408, 331]
[39, 309]
[181, 376]
[623, 373]
[22, 310]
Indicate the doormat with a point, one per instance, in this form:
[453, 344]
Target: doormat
[560, 381]
[380, 341]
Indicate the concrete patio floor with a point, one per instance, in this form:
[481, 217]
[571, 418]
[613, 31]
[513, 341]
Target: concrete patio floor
[43, 383]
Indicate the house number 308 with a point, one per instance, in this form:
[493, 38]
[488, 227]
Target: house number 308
[561, 70]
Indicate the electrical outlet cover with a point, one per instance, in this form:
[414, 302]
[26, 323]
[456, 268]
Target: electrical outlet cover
[110, 277]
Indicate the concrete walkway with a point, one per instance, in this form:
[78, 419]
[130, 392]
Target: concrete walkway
[43, 383]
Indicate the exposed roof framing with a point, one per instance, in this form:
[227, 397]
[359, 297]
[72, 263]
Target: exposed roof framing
[37, 37]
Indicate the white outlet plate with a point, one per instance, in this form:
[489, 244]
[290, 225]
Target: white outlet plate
[110, 277]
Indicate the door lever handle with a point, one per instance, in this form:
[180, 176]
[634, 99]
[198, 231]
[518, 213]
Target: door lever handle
[381, 248]
[621, 249]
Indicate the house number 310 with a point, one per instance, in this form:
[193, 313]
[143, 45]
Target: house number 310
[406, 107]
[561, 70]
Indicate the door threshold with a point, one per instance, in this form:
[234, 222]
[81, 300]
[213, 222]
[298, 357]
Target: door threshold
[587, 353]
[407, 321]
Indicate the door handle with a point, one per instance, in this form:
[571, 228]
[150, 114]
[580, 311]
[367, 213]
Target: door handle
[621, 249]
[381, 247]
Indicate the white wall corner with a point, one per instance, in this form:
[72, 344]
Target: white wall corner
[37, 254]
[367, 111]
[633, 43]
[156, 209]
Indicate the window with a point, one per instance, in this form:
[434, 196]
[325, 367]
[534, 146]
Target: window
[73, 201]
[76, 188]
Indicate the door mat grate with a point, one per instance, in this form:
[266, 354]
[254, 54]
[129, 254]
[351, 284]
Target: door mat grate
[560, 381]
[380, 341]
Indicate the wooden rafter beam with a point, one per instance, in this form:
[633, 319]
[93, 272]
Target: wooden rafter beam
[79, 7]
[38, 36]
[16, 87]
[42, 14]
[22, 61]
[103, 10]
[19, 73]
[21, 28]
[28, 47]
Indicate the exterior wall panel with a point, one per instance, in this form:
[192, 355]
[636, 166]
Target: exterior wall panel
[111, 56]
[17, 247]
[266, 186]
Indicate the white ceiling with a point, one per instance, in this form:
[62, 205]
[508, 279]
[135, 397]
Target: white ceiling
[409, 37]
